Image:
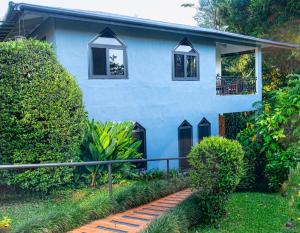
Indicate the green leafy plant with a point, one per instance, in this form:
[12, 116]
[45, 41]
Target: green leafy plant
[217, 167]
[41, 114]
[275, 133]
[108, 141]
[5, 223]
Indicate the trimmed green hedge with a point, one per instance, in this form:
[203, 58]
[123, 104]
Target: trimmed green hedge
[67, 217]
[216, 169]
[41, 113]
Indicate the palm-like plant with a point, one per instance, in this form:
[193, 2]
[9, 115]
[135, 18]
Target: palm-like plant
[108, 141]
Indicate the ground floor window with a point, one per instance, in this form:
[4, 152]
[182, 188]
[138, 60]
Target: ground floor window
[204, 129]
[185, 142]
[139, 132]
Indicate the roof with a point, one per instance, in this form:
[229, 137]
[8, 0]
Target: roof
[15, 9]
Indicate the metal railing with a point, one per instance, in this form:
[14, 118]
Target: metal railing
[233, 85]
[91, 163]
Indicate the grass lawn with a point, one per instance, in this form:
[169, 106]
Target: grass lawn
[256, 213]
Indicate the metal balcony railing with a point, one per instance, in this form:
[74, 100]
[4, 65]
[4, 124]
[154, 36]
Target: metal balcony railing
[234, 85]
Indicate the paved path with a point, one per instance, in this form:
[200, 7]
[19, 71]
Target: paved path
[134, 220]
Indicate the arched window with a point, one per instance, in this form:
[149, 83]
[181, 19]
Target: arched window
[185, 142]
[185, 62]
[139, 133]
[204, 129]
[107, 57]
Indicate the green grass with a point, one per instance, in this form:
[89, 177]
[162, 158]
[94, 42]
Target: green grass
[256, 213]
[67, 210]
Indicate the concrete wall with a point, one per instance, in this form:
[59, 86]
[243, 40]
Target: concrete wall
[149, 96]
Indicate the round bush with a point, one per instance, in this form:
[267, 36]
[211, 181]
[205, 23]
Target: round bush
[41, 113]
[217, 167]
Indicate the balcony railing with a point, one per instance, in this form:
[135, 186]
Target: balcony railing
[233, 85]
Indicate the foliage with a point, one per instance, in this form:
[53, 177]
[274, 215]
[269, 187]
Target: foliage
[217, 167]
[5, 222]
[70, 209]
[275, 133]
[41, 113]
[255, 212]
[235, 122]
[108, 141]
[273, 19]
[179, 219]
[240, 65]
[209, 15]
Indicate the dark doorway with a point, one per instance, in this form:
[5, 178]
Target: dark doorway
[139, 133]
[185, 142]
[204, 129]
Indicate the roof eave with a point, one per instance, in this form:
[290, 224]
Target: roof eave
[146, 23]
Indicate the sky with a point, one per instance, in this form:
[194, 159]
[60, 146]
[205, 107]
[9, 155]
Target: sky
[162, 10]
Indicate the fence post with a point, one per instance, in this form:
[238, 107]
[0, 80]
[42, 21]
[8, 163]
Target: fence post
[168, 168]
[109, 180]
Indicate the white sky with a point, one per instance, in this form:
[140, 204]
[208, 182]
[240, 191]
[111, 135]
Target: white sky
[163, 10]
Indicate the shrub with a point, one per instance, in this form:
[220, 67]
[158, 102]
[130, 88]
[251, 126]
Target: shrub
[5, 223]
[108, 141]
[275, 131]
[41, 113]
[217, 167]
[254, 178]
[235, 122]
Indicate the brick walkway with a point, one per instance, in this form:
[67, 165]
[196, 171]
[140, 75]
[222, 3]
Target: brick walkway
[134, 220]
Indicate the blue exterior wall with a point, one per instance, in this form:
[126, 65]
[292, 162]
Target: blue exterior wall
[149, 96]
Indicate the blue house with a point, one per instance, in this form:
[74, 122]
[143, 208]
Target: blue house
[165, 77]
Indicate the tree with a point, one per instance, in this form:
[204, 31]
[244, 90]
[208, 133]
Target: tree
[208, 14]
[273, 19]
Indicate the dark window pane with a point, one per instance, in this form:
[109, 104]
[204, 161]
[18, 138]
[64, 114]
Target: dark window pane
[116, 62]
[185, 137]
[139, 133]
[99, 61]
[191, 66]
[204, 129]
[179, 65]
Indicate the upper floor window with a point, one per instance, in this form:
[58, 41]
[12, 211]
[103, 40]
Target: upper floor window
[107, 56]
[185, 62]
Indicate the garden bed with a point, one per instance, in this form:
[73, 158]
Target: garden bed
[72, 208]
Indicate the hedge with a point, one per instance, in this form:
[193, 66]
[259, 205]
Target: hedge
[41, 113]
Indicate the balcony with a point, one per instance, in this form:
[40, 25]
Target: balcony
[233, 85]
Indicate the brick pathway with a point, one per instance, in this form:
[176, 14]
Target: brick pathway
[134, 220]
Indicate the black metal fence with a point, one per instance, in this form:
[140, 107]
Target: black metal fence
[233, 85]
[108, 163]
